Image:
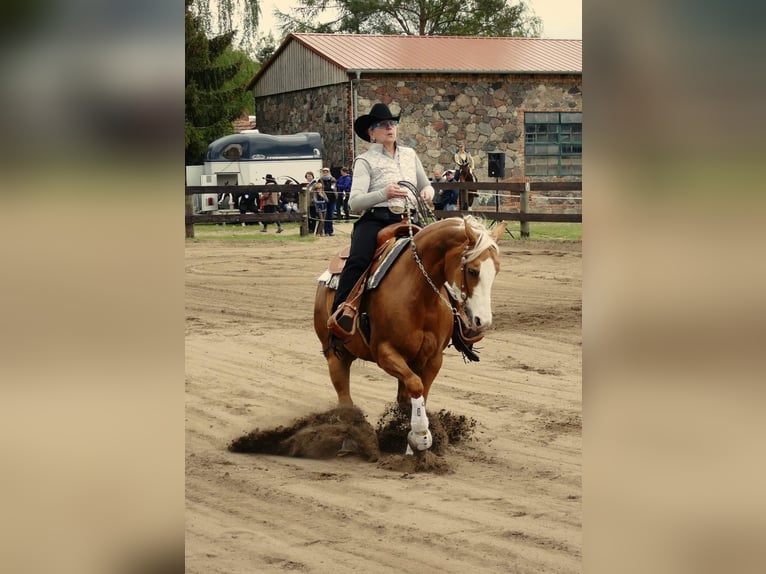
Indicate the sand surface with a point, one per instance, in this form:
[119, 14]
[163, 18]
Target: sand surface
[505, 497]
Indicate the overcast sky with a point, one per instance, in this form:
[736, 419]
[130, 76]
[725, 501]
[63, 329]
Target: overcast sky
[561, 18]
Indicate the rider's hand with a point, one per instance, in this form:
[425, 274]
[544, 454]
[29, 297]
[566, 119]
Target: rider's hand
[393, 190]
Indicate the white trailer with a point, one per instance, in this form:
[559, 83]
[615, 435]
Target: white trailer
[202, 202]
[247, 157]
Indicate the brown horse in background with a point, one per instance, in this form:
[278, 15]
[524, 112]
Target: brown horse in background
[444, 275]
[467, 195]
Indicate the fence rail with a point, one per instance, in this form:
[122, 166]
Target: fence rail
[504, 190]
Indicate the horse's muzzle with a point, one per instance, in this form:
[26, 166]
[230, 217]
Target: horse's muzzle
[469, 333]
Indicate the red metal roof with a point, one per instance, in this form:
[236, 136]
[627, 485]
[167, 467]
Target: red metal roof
[445, 53]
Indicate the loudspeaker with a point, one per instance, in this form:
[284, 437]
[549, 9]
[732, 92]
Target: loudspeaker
[496, 164]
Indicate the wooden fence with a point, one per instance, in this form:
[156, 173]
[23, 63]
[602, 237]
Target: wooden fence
[511, 203]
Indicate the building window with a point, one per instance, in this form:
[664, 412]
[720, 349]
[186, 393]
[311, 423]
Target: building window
[553, 144]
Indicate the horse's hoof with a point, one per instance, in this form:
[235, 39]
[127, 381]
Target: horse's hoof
[420, 440]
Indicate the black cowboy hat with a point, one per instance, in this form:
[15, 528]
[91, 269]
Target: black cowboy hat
[378, 113]
[270, 178]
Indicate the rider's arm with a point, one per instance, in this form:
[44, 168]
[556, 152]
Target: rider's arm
[423, 183]
[361, 197]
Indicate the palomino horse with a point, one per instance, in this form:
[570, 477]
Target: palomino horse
[442, 278]
[468, 195]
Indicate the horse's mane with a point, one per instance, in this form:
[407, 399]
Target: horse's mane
[484, 241]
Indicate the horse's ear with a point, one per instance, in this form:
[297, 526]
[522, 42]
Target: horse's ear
[498, 230]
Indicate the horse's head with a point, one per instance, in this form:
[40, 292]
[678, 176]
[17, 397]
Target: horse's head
[471, 281]
[464, 173]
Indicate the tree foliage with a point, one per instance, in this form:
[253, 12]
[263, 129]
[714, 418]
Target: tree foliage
[420, 17]
[215, 95]
[220, 16]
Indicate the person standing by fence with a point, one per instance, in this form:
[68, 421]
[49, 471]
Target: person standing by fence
[449, 196]
[248, 201]
[319, 201]
[271, 203]
[309, 185]
[290, 198]
[344, 191]
[328, 181]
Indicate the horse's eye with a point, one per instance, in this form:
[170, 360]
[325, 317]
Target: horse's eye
[473, 272]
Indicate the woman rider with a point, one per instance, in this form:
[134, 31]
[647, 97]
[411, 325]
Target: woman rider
[375, 194]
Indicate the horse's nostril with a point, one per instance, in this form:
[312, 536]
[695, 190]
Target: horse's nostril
[478, 322]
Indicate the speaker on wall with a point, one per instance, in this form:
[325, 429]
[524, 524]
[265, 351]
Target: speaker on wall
[496, 164]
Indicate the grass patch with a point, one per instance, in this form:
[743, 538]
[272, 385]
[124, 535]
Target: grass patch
[235, 232]
[543, 230]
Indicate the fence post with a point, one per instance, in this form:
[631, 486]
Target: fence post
[524, 209]
[189, 211]
[303, 208]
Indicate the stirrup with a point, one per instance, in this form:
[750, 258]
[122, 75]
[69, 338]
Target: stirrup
[342, 323]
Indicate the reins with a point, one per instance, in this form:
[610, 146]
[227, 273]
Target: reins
[454, 309]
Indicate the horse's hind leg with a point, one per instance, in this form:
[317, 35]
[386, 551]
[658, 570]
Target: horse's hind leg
[339, 366]
[340, 375]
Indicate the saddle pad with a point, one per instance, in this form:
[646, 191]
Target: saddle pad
[374, 280]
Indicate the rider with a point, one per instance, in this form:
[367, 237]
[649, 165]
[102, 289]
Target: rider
[463, 156]
[376, 193]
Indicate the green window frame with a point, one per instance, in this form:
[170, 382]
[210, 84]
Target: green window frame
[552, 144]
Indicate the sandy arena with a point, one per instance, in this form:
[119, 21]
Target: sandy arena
[503, 496]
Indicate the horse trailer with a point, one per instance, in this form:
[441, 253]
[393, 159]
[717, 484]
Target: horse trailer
[246, 158]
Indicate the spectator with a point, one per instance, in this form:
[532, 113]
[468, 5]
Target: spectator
[344, 191]
[449, 197]
[437, 178]
[328, 181]
[290, 199]
[319, 201]
[310, 179]
[248, 201]
[271, 203]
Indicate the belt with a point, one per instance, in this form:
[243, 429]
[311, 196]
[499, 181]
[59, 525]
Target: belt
[387, 211]
[384, 210]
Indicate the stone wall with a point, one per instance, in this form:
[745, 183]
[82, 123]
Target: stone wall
[324, 110]
[438, 111]
[484, 111]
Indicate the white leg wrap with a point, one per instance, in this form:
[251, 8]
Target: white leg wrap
[419, 437]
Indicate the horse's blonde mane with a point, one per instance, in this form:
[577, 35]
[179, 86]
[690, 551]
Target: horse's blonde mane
[485, 240]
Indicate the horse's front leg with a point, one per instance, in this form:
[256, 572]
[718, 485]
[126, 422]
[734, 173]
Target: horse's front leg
[410, 386]
[419, 437]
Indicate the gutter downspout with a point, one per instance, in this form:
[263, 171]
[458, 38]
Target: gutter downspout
[354, 105]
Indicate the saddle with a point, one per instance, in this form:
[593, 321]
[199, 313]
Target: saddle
[343, 323]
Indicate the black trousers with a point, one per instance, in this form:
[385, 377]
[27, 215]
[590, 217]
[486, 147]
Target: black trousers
[364, 241]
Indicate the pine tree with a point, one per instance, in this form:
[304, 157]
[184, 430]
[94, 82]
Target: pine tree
[213, 98]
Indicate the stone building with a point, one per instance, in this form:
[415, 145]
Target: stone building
[521, 97]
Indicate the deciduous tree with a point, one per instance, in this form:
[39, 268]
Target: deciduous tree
[422, 18]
